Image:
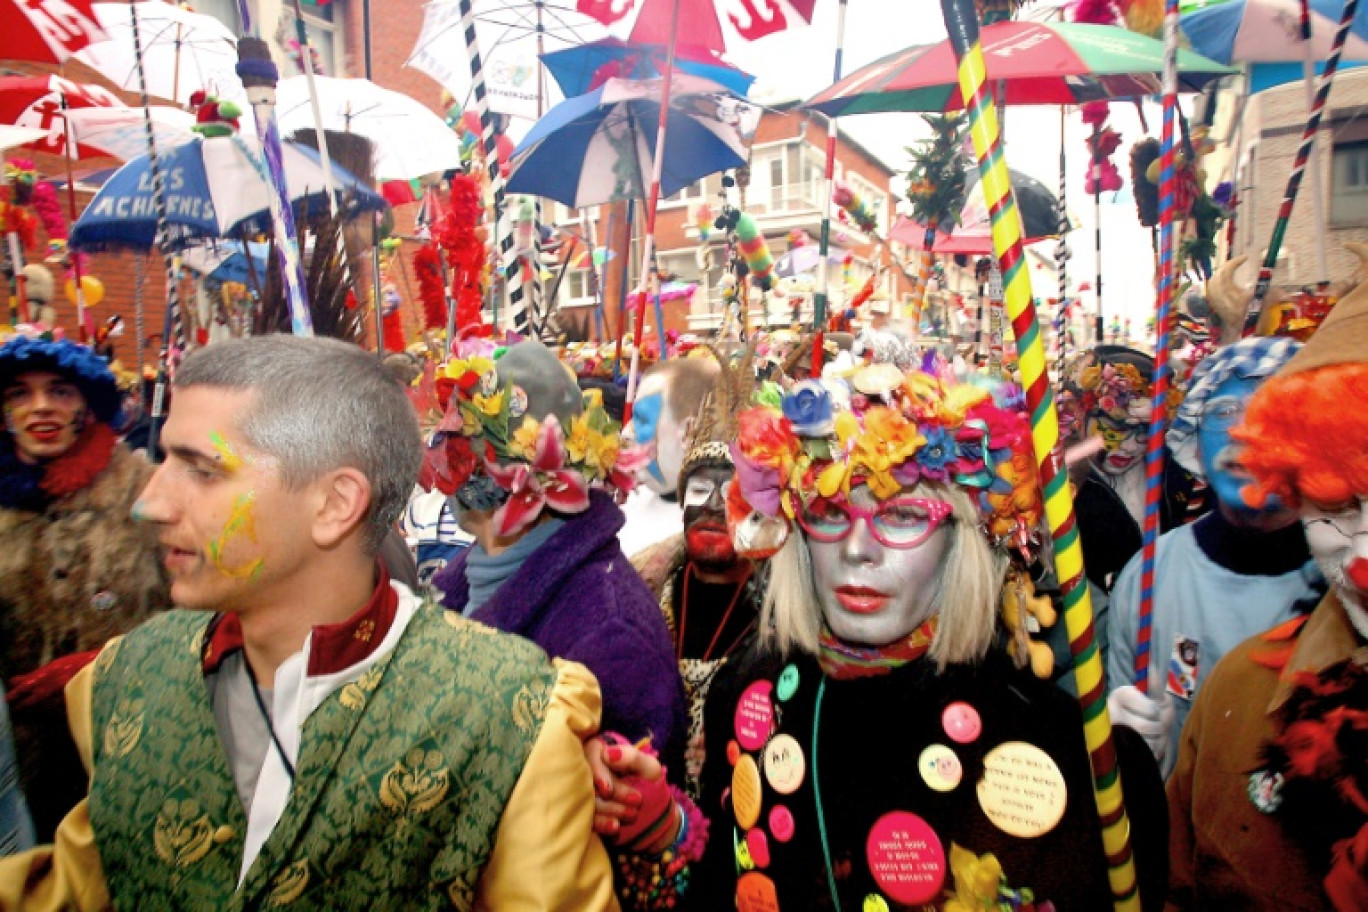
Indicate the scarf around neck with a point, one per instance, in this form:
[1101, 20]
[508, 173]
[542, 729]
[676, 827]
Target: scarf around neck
[843, 661]
[485, 574]
[34, 487]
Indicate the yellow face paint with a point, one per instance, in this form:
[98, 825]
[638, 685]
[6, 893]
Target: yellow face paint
[228, 457]
[242, 521]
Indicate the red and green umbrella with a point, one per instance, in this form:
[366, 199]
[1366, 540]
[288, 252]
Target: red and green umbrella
[1030, 62]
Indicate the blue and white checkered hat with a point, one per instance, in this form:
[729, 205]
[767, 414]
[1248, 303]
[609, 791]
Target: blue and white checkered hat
[1255, 357]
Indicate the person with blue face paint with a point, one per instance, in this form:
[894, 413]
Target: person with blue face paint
[667, 400]
[1236, 571]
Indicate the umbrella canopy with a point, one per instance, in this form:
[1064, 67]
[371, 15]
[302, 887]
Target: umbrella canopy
[122, 133]
[1033, 62]
[973, 236]
[227, 261]
[36, 101]
[11, 136]
[510, 34]
[579, 69]
[599, 147]
[183, 52]
[47, 32]
[699, 23]
[214, 188]
[1269, 31]
[409, 140]
[798, 260]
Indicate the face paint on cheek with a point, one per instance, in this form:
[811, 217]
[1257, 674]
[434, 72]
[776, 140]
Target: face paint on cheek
[228, 457]
[139, 512]
[241, 523]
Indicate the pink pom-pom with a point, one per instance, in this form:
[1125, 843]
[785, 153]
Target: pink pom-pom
[49, 210]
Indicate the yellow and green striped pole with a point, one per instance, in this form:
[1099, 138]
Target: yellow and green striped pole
[962, 24]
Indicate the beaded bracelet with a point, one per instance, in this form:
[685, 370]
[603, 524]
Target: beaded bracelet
[654, 882]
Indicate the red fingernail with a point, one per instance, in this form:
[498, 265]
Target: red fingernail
[603, 787]
[632, 798]
[614, 754]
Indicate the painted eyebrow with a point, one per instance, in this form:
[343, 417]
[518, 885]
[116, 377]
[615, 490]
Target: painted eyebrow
[186, 453]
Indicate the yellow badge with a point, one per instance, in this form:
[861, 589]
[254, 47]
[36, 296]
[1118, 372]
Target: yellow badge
[746, 792]
[1022, 790]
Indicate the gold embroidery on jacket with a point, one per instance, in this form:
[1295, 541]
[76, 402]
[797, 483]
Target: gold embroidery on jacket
[183, 834]
[416, 784]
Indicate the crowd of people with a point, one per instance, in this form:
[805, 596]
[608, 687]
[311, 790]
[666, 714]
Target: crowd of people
[470, 642]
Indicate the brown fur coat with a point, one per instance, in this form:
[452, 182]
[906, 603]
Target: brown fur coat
[78, 573]
[71, 577]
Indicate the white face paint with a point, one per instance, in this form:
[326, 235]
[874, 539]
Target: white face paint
[698, 489]
[654, 424]
[871, 594]
[1338, 538]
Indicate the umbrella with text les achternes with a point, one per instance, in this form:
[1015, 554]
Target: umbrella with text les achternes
[214, 188]
[47, 32]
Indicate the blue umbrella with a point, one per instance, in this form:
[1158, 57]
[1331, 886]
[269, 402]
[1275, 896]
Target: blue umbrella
[598, 147]
[576, 68]
[1269, 31]
[215, 187]
[227, 261]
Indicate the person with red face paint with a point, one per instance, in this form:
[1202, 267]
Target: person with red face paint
[710, 595]
[76, 568]
[1269, 800]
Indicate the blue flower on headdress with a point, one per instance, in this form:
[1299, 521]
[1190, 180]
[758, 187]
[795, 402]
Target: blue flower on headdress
[937, 453]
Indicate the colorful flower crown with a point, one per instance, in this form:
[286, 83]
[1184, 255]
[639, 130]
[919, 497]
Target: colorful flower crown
[1116, 390]
[486, 428]
[889, 430]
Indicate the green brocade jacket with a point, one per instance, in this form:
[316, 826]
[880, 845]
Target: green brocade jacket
[402, 778]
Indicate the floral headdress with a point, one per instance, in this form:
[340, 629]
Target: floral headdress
[1110, 382]
[487, 429]
[891, 429]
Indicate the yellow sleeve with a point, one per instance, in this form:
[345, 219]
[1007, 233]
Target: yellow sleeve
[66, 875]
[546, 855]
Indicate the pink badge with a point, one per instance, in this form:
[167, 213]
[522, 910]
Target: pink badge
[781, 823]
[755, 716]
[906, 858]
[962, 722]
[758, 845]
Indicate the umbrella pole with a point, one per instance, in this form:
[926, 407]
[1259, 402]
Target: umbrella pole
[302, 36]
[162, 242]
[962, 25]
[1317, 201]
[1168, 236]
[1062, 253]
[503, 227]
[1308, 140]
[1099, 327]
[596, 280]
[650, 280]
[622, 291]
[819, 298]
[71, 214]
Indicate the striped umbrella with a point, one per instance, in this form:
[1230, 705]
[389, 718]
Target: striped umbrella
[1032, 63]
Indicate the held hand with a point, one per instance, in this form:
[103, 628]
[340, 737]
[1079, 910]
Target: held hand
[1151, 719]
[631, 795]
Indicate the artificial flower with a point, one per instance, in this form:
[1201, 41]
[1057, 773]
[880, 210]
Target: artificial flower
[808, 408]
[522, 443]
[937, 454]
[766, 438]
[758, 482]
[546, 482]
[491, 404]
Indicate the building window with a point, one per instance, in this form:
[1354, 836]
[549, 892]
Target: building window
[695, 191]
[324, 24]
[1349, 184]
[225, 11]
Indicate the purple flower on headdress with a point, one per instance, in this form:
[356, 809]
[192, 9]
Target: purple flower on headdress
[759, 484]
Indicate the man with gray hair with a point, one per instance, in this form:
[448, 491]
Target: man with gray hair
[304, 730]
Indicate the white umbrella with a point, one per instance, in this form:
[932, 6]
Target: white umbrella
[11, 136]
[122, 132]
[409, 140]
[183, 52]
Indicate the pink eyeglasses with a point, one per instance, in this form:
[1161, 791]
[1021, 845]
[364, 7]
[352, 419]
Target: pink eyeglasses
[902, 522]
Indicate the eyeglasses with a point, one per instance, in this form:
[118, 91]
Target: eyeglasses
[903, 522]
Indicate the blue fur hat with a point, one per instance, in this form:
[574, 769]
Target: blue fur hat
[78, 363]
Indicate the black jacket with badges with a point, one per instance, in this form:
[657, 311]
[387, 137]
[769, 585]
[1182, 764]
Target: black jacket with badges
[884, 747]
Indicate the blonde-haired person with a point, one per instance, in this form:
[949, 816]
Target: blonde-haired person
[877, 750]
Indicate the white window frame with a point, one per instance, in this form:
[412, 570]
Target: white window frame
[1349, 203]
[689, 195]
[335, 29]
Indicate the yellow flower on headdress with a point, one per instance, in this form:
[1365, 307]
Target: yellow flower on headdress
[886, 440]
[491, 405]
[591, 447]
[522, 443]
[459, 367]
[976, 879]
[1091, 377]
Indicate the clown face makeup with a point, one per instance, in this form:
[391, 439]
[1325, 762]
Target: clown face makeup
[872, 594]
[1220, 453]
[655, 425]
[44, 414]
[1123, 443]
[706, 539]
[1338, 538]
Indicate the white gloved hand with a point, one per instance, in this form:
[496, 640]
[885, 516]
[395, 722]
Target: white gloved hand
[1151, 719]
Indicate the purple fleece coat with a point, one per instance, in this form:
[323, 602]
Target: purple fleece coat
[578, 598]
